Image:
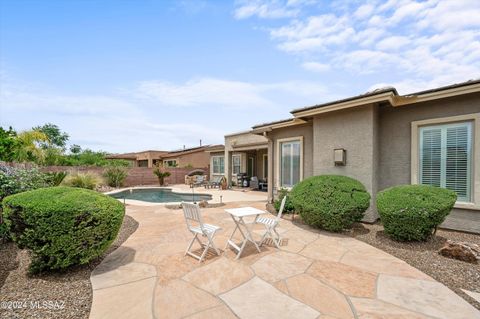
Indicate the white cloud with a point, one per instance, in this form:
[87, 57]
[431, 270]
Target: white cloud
[270, 9]
[316, 66]
[155, 114]
[420, 40]
[223, 93]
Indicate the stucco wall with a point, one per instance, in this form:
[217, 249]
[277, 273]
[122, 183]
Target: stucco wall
[304, 130]
[395, 146]
[354, 130]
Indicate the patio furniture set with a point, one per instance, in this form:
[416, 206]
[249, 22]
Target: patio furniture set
[197, 227]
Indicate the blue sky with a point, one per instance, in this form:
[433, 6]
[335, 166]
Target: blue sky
[128, 75]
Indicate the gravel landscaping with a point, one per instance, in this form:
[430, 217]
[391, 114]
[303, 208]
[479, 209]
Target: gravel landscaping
[50, 295]
[453, 273]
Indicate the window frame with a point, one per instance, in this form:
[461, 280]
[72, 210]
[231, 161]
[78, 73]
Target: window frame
[278, 159]
[213, 166]
[474, 118]
[239, 156]
[166, 163]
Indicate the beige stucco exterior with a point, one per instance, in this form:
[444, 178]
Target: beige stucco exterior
[377, 138]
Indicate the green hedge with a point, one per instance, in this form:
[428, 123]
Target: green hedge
[413, 212]
[331, 202]
[63, 226]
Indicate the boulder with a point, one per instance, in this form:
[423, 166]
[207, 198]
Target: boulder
[461, 250]
[203, 204]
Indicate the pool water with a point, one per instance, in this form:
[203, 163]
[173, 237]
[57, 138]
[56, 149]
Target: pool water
[160, 195]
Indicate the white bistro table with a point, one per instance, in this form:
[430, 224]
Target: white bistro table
[237, 215]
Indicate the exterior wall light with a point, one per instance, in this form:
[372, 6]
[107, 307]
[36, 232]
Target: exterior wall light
[340, 157]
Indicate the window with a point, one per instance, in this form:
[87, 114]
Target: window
[170, 163]
[218, 164]
[445, 158]
[142, 163]
[290, 163]
[236, 164]
[265, 166]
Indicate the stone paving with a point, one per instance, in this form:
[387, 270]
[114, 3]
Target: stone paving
[315, 274]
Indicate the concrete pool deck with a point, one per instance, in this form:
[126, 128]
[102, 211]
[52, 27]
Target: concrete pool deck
[218, 195]
[315, 274]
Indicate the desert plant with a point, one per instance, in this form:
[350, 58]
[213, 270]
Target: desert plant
[161, 173]
[55, 178]
[330, 202]
[288, 203]
[86, 180]
[413, 212]
[62, 226]
[115, 176]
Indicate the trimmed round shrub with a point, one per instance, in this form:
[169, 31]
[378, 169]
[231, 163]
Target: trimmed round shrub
[413, 212]
[331, 202]
[62, 226]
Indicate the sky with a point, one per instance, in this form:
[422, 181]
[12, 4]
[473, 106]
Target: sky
[131, 75]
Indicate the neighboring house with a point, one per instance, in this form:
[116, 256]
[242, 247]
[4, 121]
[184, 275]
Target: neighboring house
[382, 139]
[141, 159]
[243, 153]
[194, 157]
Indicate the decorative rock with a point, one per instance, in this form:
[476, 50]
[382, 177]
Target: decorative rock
[203, 204]
[461, 250]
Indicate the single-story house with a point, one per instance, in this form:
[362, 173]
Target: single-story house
[382, 139]
[186, 157]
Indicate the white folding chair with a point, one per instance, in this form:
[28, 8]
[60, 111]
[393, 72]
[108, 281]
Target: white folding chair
[195, 225]
[271, 225]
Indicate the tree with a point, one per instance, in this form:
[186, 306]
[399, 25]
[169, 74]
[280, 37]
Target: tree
[28, 148]
[161, 174]
[8, 144]
[75, 149]
[55, 136]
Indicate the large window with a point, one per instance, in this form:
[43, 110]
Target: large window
[218, 164]
[290, 163]
[445, 158]
[236, 164]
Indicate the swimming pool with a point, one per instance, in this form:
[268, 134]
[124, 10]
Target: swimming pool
[159, 195]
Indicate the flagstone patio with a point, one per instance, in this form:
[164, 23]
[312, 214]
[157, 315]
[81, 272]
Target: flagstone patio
[314, 275]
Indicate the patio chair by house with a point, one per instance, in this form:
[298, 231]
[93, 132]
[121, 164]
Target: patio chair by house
[254, 182]
[271, 225]
[199, 181]
[197, 227]
[215, 182]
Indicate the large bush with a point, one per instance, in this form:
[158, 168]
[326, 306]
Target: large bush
[330, 202]
[288, 203]
[16, 180]
[63, 226]
[115, 176]
[413, 212]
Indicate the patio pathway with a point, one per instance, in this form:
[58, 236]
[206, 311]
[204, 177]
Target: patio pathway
[314, 275]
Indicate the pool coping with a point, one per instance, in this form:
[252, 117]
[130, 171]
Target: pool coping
[145, 203]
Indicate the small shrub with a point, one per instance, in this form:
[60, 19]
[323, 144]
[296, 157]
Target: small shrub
[87, 180]
[62, 226]
[115, 176]
[330, 202]
[413, 212]
[288, 203]
[55, 178]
